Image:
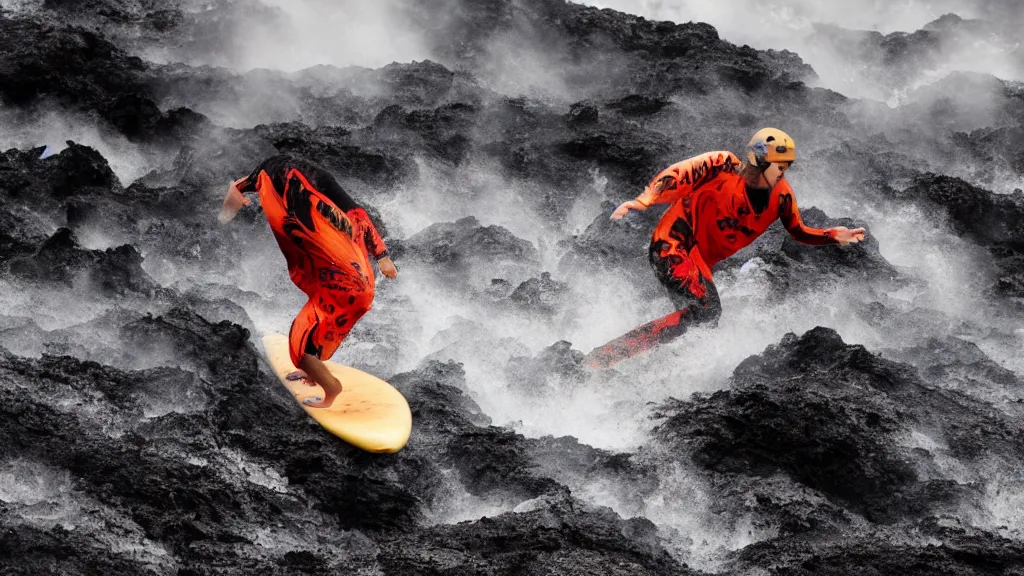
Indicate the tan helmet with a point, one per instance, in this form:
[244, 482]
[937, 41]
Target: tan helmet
[770, 145]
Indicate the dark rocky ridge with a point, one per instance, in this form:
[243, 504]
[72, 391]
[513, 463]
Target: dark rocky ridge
[157, 416]
[838, 433]
[995, 221]
[899, 59]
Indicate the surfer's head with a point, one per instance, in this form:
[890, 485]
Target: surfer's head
[771, 151]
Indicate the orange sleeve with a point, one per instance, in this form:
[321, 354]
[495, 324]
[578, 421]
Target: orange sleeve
[371, 237]
[789, 213]
[684, 177]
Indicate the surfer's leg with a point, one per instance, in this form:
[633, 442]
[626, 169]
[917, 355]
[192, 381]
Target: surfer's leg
[305, 346]
[319, 373]
[694, 296]
[318, 331]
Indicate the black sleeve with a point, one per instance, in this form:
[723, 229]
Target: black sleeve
[277, 167]
[328, 186]
[271, 165]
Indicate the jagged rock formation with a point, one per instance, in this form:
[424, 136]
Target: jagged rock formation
[143, 432]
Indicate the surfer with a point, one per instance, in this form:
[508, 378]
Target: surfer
[718, 205]
[327, 240]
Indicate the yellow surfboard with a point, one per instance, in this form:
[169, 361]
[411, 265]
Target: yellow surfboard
[369, 413]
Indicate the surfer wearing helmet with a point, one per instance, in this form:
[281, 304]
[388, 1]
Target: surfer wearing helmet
[327, 240]
[718, 205]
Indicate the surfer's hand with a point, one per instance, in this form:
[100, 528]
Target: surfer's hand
[387, 267]
[233, 202]
[844, 235]
[625, 207]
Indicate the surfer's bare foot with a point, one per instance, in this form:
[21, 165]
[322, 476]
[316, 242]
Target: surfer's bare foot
[331, 392]
[319, 374]
[318, 402]
[299, 375]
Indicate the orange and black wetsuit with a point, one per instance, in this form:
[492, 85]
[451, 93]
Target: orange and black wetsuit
[713, 214]
[327, 240]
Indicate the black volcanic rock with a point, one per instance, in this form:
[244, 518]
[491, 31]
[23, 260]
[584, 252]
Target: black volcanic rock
[829, 415]
[176, 26]
[465, 250]
[221, 157]
[1000, 146]
[65, 63]
[75, 171]
[466, 238]
[26, 549]
[944, 548]
[555, 369]
[167, 471]
[427, 84]
[995, 221]
[17, 237]
[144, 433]
[624, 153]
[614, 244]
[578, 466]
[638, 105]
[816, 265]
[111, 11]
[989, 219]
[560, 534]
[81, 70]
[333, 149]
[543, 295]
[350, 97]
[61, 260]
[490, 461]
[582, 114]
[577, 38]
[78, 190]
[960, 365]
[899, 59]
[440, 131]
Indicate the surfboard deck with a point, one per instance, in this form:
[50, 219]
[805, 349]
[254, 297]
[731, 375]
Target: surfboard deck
[369, 414]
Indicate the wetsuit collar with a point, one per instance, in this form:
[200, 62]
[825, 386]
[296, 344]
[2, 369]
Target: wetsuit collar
[758, 198]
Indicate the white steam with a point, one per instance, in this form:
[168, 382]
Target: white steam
[52, 128]
[790, 25]
[763, 26]
[426, 314]
[290, 35]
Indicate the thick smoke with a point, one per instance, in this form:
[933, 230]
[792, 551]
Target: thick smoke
[853, 62]
[445, 312]
[439, 322]
[291, 36]
[52, 128]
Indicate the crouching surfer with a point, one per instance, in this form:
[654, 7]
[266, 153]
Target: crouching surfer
[327, 240]
[718, 204]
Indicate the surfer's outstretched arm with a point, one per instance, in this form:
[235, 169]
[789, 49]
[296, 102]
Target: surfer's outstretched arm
[789, 214]
[680, 179]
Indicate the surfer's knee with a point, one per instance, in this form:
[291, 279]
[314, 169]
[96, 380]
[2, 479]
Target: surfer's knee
[699, 299]
[709, 308]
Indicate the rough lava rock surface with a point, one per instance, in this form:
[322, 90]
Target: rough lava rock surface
[143, 432]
